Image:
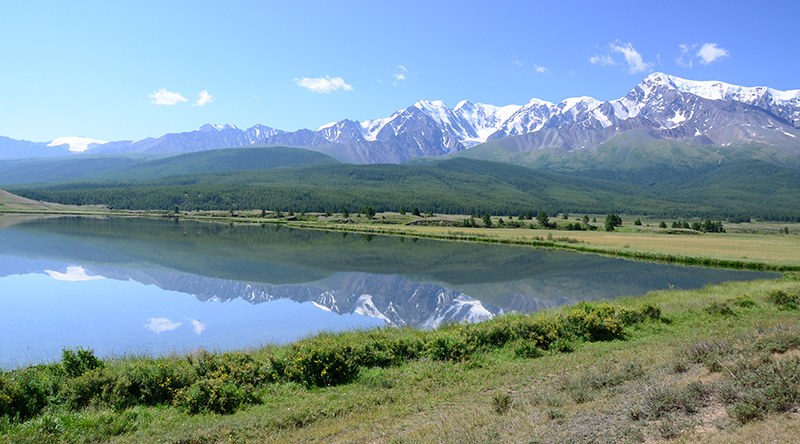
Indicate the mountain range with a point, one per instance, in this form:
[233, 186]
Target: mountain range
[660, 108]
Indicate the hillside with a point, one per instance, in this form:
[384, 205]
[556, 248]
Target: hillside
[138, 167]
[456, 186]
[629, 151]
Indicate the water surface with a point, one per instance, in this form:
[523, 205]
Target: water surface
[134, 285]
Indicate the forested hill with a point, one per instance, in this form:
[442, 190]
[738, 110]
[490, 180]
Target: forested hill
[139, 167]
[456, 186]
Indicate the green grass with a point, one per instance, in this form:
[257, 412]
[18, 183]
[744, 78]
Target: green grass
[598, 375]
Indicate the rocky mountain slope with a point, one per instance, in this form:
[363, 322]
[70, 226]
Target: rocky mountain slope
[663, 107]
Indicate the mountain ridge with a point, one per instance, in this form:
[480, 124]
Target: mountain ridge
[668, 107]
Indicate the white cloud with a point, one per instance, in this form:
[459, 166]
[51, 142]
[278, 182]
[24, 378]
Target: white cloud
[323, 84]
[685, 59]
[75, 273]
[158, 325]
[203, 98]
[198, 326]
[164, 97]
[632, 57]
[540, 69]
[602, 60]
[399, 74]
[707, 53]
[710, 52]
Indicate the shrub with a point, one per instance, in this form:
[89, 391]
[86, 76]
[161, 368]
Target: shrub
[237, 367]
[94, 385]
[78, 361]
[319, 362]
[527, 350]
[593, 323]
[213, 395]
[448, 345]
[151, 382]
[748, 408]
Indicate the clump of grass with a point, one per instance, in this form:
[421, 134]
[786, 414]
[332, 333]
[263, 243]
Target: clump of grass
[765, 386]
[501, 403]
[789, 300]
[663, 400]
[743, 301]
[581, 388]
[780, 342]
[669, 429]
[710, 353]
[719, 308]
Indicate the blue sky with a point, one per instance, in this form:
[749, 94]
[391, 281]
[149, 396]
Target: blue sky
[129, 70]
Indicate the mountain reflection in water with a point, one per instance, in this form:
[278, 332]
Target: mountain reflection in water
[397, 281]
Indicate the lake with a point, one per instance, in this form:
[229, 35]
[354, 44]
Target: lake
[129, 285]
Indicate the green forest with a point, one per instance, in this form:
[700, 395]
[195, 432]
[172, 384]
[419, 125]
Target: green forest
[301, 180]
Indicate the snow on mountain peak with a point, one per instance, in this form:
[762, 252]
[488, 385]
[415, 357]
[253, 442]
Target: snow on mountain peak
[716, 90]
[208, 127]
[327, 125]
[76, 144]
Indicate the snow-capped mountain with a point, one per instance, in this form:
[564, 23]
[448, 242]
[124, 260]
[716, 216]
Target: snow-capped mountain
[663, 106]
[206, 137]
[666, 107]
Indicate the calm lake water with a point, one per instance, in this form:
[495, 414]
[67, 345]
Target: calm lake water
[153, 286]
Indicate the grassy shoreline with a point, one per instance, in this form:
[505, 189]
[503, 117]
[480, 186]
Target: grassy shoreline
[606, 373]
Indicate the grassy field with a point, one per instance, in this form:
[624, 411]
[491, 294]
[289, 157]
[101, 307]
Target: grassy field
[720, 364]
[742, 248]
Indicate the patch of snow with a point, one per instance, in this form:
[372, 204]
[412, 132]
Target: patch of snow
[327, 125]
[74, 273]
[790, 135]
[462, 309]
[318, 305]
[77, 144]
[365, 307]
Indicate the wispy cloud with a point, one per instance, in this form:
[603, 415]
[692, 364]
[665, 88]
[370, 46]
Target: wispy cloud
[706, 52]
[158, 325]
[710, 52]
[684, 60]
[203, 98]
[399, 74]
[540, 69]
[164, 97]
[198, 326]
[633, 59]
[602, 60]
[324, 85]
